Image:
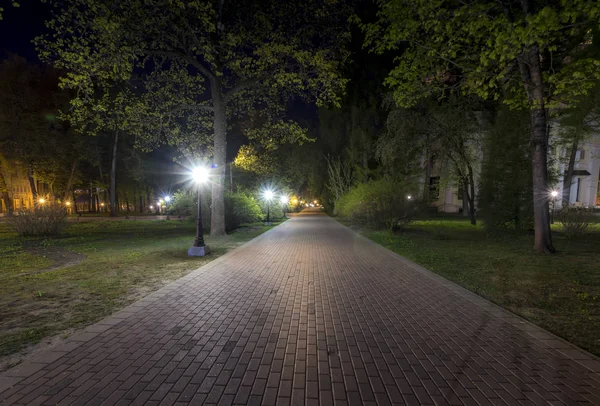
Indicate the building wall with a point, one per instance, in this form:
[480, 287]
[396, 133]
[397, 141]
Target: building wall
[584, 187]
[19, 190]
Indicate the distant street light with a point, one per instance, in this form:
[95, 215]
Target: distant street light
[284, 201]
[409, 197]
[41, 200]
[68, 203]
[167, 199]
[268, 195]
[199, 249]
[554, 193]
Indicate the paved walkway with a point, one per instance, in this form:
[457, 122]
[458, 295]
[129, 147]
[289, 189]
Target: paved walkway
[309, 313]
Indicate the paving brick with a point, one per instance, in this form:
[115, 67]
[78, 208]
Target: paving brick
[310, 313]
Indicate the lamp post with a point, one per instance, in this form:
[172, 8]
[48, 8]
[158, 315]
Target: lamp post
[554, 193]
[268, 194]
[284, 202]
[199, 249]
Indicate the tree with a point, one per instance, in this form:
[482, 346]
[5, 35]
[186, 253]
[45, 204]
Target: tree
[250, 55]
[530, 54]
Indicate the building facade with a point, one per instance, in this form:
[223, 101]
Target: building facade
[585, 191]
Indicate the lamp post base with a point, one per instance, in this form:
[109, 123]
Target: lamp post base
[198, 251]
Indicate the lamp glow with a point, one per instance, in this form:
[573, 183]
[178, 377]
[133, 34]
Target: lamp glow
[42, 200]
[554, 193]
[284, 199]
[68, 203]
[409, 197]
[167, 199]
[200, 174]
[268, 194]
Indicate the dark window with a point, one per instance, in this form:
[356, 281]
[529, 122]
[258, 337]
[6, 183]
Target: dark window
[578, 188]
[461, 191]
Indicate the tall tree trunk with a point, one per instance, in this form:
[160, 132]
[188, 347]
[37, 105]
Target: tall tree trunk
[74, 202]
[471, 195]
[71, 180]
[113, 176]
[427, 177]
[5, 194]
[465, 198]
[568, 179]
[32, 185]
[148, 204]
[541, 209]
[217, 218]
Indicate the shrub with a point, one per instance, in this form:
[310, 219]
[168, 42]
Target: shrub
[240, 208]
[574, 220]
[379, 203]
[49, 219]
[185, 203]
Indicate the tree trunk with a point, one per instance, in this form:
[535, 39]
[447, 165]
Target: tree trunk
[113, 177]
[75, 203]
[141, 202]
[34, 191]
[531, 73]
[71, 180]
[465, 198]
[568, 179]
[471, 195]
[427, 178]
[217, 218]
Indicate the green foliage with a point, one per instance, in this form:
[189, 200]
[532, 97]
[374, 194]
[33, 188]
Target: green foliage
[505, 198]
[240, 208]
[574, 220]
[379, 203]
[45, 220]
[483, 46]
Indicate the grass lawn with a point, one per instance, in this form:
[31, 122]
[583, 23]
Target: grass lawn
[116, 263]
[559, 292]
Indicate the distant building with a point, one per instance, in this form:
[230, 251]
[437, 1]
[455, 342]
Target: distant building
[447, 196]
[17, 184]
[585, 191]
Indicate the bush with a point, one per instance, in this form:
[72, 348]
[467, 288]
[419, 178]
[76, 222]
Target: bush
[379, 203]
[185, 203]
[574, 220]
[49, 219]
[240, 208]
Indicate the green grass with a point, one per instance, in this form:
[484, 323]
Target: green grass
[123, 261]
[558, 292]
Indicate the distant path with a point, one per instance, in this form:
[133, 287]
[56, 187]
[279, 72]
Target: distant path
[309, 313]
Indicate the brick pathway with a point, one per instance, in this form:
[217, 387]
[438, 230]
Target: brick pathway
[309, 313]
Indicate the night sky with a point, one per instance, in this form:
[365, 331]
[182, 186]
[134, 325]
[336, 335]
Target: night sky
[20, 26]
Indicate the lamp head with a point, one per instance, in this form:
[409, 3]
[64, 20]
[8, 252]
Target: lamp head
[268, 194]
[200, 174]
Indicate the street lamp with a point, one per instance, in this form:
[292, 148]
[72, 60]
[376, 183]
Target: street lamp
[284, 202]
[41, 200]
[199, 249]
[554, 193]
[268, 195]
[409, 197]
[167, 199]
